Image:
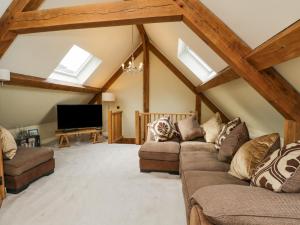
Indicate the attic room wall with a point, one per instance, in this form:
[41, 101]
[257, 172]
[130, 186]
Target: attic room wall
[34, 108]
[167, 94]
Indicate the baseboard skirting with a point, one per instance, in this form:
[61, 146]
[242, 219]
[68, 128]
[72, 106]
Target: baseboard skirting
[127, 141]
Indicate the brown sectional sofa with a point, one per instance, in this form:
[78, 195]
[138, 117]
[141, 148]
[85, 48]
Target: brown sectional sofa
[212, 196]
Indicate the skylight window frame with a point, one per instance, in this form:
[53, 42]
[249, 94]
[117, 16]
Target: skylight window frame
[84, 71]
[75, 73]
[191, 60]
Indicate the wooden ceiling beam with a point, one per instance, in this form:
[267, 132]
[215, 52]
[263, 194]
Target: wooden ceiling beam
[187, 82]
[6, 36]
[96, 15]
[222, 77]
[274, 88]
[146, 70]
[280, 48]
[116, 75]
[37, 82]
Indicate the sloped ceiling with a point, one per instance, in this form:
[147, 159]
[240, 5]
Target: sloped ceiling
[254, 21]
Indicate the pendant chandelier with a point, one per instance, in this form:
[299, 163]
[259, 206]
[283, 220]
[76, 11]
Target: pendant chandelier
[131, 67]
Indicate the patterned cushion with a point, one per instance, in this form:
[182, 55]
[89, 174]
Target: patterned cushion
[251, 154]
[280, 172]
[226, 130]
[233, 142]
[212, 128]
[163, 129]
[7, 144]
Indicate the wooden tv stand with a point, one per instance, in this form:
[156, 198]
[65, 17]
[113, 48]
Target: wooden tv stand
[63, 135]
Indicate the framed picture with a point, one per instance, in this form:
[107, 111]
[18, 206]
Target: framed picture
[33, 132]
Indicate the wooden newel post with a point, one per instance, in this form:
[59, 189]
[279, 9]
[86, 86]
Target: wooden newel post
[291, 131]
[2, 186]
[109, 127]
[137, 128]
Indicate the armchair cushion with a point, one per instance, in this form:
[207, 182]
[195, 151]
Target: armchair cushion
[236, 205]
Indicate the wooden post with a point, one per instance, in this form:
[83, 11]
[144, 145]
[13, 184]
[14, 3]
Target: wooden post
[137, 128]
[146, 72]
[2, 186]
[198, 107]
[291, 131]
[109, 127]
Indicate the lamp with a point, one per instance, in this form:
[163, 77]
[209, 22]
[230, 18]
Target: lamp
[4, 75]
[108, 97]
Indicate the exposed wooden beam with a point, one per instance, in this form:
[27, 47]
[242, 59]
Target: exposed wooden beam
[97, 99]
[36, 82]
[146, 71]
[213, 108]
[7, 37]
[280, 48]
[187, 82]
[274, 88]
[222, 77]
[96, 15]
[291, 131]
[198, 108]
[117, 74]
[173, 68]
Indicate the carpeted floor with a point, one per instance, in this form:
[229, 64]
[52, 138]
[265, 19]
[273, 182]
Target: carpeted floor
[97, 185]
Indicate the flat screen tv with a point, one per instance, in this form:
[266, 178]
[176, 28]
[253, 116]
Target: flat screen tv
[79, 116]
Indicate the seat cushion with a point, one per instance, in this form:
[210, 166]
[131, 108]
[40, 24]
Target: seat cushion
[194, 180]
[26, 159]
[236, 205]
[165, 151]
[191, 146]
[202, 161]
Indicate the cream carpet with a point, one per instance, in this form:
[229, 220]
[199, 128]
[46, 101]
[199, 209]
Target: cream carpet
[97, 185]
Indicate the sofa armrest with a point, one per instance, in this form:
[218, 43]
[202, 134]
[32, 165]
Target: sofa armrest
[236, 205]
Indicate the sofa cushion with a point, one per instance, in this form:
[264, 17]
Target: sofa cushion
[233, 142]
[191, 146]
[190, 129]
[163, 129]
[212, 128]
[226, 130]
[194, 180]
[251, 154]
[166, 151]
[280, 171]
[203, 161]
[236, 205]
[7, 144]
[26, 159]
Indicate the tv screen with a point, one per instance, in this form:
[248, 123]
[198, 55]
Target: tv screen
[79, 116]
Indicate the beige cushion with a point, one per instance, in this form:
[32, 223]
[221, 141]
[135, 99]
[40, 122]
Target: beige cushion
[244, 205]
[27, 159]
[190, 129]
[163, 129]
[233, 142]
[194, 146]
[202, 161]
[166, 151]
[194, 180]
[280, 171]
[212, 128]
[251, 154]
[7, 144]
[226, 130]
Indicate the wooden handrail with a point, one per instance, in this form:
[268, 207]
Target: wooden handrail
[143, 118]
[115, 127]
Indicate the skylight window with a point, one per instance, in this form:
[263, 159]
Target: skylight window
[192, 61]
[76, 66]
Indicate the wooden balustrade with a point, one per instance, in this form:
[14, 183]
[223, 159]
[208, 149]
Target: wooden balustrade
[142, 119]
[115, 127]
